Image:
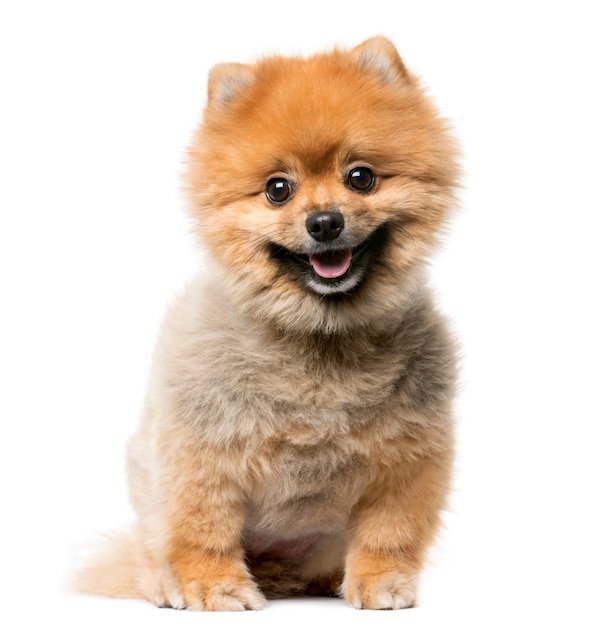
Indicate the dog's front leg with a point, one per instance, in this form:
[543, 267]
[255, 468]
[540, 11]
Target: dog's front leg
[391, 527]
[205, 515]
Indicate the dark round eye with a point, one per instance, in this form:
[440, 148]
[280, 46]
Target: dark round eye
[279, 190]
[360, 179]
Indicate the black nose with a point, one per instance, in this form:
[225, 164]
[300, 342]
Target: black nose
[325, 225]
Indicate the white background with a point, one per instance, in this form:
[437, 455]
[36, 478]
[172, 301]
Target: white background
[98, 101]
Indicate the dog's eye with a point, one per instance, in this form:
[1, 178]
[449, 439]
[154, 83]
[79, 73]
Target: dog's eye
[360, 179]
[279, 190]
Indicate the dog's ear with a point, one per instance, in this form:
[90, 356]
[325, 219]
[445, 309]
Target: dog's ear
[226, 81]
[379, 55]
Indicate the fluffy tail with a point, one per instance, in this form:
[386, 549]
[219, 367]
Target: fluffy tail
[113, 568]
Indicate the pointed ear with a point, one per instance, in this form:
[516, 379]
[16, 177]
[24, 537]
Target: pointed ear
[226, 80]
[379, 55]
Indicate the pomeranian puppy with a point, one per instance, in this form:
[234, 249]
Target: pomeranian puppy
[297, 436]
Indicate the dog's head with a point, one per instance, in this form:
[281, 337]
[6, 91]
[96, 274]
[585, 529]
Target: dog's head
[320, 184]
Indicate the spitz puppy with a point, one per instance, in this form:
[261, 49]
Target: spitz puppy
[297, 434]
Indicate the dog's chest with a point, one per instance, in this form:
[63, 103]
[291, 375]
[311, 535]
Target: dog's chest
[316, 382]
[306, 490]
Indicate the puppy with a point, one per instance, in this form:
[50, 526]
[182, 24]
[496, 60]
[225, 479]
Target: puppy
[297, 436]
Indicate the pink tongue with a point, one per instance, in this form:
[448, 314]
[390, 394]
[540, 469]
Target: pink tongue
[331, 264]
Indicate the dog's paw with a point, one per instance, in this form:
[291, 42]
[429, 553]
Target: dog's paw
[390, 590]
[227, 595]
[236, 593]
[163, 589]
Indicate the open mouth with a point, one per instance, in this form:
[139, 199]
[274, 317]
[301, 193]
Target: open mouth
[332, 264]
[335, 269]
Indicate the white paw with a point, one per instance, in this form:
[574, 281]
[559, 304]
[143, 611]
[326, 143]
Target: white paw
[391, 590]
[231, 594]
[167, 591]
[226, 595]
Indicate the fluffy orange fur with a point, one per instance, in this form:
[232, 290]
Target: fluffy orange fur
[297, 436]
